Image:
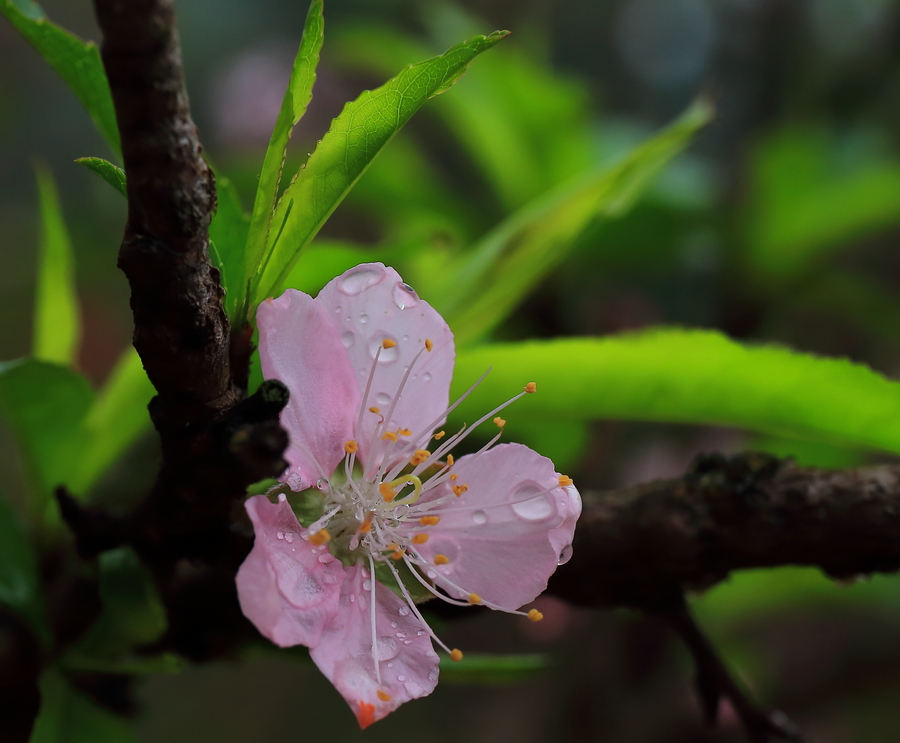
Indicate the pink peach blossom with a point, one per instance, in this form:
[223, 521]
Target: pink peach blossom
[369, 364]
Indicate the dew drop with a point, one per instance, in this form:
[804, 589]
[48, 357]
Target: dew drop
[405, 337]
[289, 537]
[347, 338]
[431, 574]
[321, 483]
[382, 398]
[358, 279]
[367, 585]
[324, 559]
[363, 318]
[531, 503]
[404, 296]
[352, 598]
[394, 625]
[280, 535]
[390, 665]
[420, 633]
[565, 555]
[479, 517]
[387, 355]
[427, 376]
[433, 675]
[387, 648]
[407, 642]
[403, 611]
[401, 678]
[401, 635]
[337, 310]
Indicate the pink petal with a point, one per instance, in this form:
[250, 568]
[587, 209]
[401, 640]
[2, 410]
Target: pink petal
[408, 664]
[371, 303]
[504, 535]
[300, 345]
[288, 591]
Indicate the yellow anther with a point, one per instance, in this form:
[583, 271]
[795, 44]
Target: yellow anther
[420, 539]
[450, 460]
[499, 422]
[474, 598]
[366, 526]
[458, 490]
[439, 435]
[429, 520]
[565, 481]
[392, 546]
[389, 436]
[441, 559]
[456, 654]
[420, 456]
[383, 696]
[428, 345]
[454, 477]
[535, 616]
[388, 343]
[404, 432]
[531, 387]
[351, 447]
[398, 555]
[387, 492]
[319, 538]
[374, 409]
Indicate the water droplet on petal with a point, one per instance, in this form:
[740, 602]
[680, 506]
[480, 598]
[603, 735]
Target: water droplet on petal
[565, 555]
[382, 398]
[347, 338]
[321, 483]
[530, 503]
[288, 537]
[427, 376]
[394, 625]
[431, 574]
[363, 318]
[404, 296]
[390, 665]
[352, 598]
[401, 635]
[358, 279]
[403, 611]
[325, 559]
[387, 648]
[387, 355]
[420, 633]
[405, 337]
[401, 678]
[479, 517]
[337, 310]
[280, 535]
[367, 585]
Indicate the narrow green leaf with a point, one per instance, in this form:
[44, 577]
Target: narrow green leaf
[57, 321]
[508, 262]
[66, 716]
[228, 238]
[77, 62]
[44, 405]
[115, 420]
[355, 138]
[293, 106]
[476, 668]
[687, 376]
[19, 586]
[110, 173]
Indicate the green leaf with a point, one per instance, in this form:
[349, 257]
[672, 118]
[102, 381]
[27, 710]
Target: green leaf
[115, 420]
[687, 376]
[77, 62]
[293, 106]
[508, 262]
[356, 136]
[228, 236]
[57, 321]
[66, 716]
[475, 668]
[44, 405]
[110, 173]
[19, 585]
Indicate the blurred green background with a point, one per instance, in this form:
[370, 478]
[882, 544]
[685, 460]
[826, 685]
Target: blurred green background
[779, 224]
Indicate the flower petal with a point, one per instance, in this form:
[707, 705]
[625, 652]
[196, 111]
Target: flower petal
[284, 586]
[300, 345]
[503, 536]
[407, 662]
[371, 304]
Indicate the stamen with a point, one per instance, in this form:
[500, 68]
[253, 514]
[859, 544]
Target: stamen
[441, 559]
[374, 409]
[499, 422]
[351, 447]
[383, 696]
[439, 435]
[531, 388]
[320, 537]
[389, 436]
[454, 477]
[366, 526]
[387, 492]
[407, 500]
[398, 555]
[388, 343]
[534, 615]
[474, 598]
[450, 460]
[428, 345]
[404, 432]
[458, 490]
[456, 654]
[565, 481]
[372, 617]
[420, 539]
[412, 606]
[420, 456]
[429, 520]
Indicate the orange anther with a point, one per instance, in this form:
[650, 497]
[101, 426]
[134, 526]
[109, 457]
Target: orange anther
[388, 343]
[458, 490]
[389, 436]
[474, 598]
[383, 696]
[565, 481]
[439, 435]
[429, 520]
[420, 456]
[499, 422]
[420, 539]
[366, 526]
[534, 615]
[404, 432]
[454, 477]
[531, 387]
[398, 555]
[374, 409]
[392, 546]
[320, 537]
[366, 714]
[441, 559]
[450, 460]
[456, 654]
[428, 345]
[351, 447]
[387, 492]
